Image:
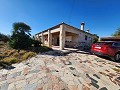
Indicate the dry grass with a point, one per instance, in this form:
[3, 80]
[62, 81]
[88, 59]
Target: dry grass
[28, 55]
[9, 56]
[116, 69]
[10, 60]
[16, 54]
[22, 52]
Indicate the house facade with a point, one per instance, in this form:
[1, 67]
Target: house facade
[64, 35]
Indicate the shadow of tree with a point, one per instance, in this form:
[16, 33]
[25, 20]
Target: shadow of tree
[64, 53]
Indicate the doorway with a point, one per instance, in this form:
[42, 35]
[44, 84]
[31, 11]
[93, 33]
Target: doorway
[57, 41]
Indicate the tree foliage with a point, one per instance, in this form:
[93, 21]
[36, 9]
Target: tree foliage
[95, 39]
[20, 38]
[4, 37]
[116, 33]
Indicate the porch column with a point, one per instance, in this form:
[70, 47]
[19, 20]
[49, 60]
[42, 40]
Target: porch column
[62, 37]
[49, 39]
[42, 39]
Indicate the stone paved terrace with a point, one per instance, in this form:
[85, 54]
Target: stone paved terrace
[74, 71]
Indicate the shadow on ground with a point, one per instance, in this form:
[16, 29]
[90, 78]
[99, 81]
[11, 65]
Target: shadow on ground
[87, 52]
[64, 53]
[107, 58]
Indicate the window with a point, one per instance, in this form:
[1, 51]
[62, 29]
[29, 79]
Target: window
[69, 38]
[85, 37]
[116, 44]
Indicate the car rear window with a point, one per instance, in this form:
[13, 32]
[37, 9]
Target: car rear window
[116, 44]
[103, 43]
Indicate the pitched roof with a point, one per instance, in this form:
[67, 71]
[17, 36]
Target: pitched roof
[61, 24]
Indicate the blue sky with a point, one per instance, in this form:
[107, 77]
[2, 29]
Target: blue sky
[102, 17]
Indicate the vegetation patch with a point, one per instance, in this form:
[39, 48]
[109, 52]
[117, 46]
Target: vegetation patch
[28, 55]
[116, 69]
[19, 46]
[9, 60]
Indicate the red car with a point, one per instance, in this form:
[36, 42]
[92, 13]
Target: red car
[110, 49]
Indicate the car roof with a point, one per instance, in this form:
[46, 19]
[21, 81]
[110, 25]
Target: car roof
[107, 41]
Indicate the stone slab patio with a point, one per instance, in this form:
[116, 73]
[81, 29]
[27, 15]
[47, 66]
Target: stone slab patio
[50, 71]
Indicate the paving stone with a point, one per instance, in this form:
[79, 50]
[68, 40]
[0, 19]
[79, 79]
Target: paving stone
[20, 81]
[15, 74]
[48, 72]
[30, 86]
[19, 78]
[11, 86]
[63, 85]
[96, 76]
[26, 71]
[34, 71]
[55, 79]
[95, 85]
[20, 85]
[45, 79]
[118, 78]
[84, 87]
[10, 80]
[49, 84]
[103, 88]
[92, 79]
[4, 86]
[3, 77]
[73, 87]
[40, 88]
[55, 86]
[72, 68]
[33, 81]
[45, 86]
[28, 76]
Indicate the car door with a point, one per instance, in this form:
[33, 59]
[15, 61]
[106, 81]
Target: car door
[116, 46]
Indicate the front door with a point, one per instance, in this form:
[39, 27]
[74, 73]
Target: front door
[57, 41]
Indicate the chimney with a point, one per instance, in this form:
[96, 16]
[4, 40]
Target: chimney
[87, 30]
[82, 26]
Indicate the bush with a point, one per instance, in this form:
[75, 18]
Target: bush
[9, 60]
[28, 55]
[36, 43]
[16, 54]
[22, 52]
[44, 49]
[20, 41]
[4, 37]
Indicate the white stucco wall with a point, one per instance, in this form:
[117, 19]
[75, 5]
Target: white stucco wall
[80, 37]
[77, 35]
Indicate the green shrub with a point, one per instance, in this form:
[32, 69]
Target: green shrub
[41, 49]
[20, 41]
[14, 60]
[36, 43]
[28, 55]
[16, 54]
[45, 49]
[9, 60]
[4, 37]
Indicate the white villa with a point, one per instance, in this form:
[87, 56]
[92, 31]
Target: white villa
[64, 35]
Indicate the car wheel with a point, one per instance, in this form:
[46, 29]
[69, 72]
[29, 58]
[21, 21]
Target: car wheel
[117, 57]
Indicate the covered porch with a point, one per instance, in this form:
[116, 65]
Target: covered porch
[61, 39]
